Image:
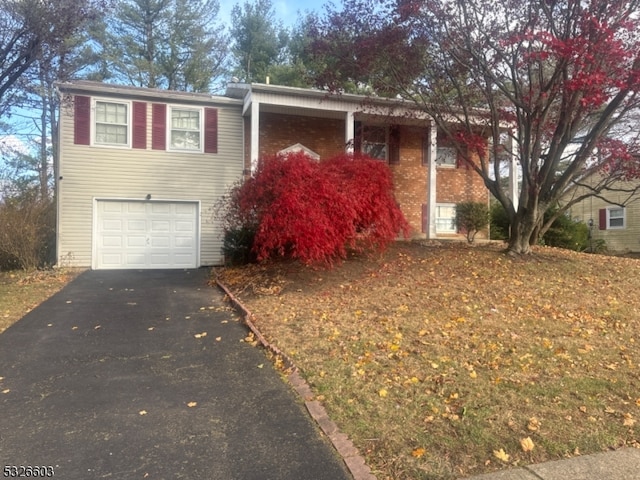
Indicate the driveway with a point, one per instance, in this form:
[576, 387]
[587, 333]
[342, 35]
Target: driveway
[143, 375]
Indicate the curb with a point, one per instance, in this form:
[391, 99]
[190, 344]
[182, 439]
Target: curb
[340, 441]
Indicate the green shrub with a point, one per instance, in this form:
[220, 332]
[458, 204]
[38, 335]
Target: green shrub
[238, 245]
[471, 217]
[566, 233]
[499, 222]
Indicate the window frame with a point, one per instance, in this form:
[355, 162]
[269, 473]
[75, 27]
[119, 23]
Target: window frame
[94, 122]
[450, 150]
[623, 217]
[201, 127]
[454, 230]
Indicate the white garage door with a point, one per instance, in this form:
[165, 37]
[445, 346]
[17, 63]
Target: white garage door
[151, 234]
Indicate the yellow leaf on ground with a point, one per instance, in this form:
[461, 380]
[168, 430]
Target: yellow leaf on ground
[527, 444]
[534, 424]
[418, 452]
[629, 421]
[501, 455]
[142, 412]
[192, 404]
[383, 393]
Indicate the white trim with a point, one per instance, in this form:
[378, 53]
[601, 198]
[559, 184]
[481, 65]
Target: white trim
[94, 221]
[92, 119]
[298, 147]
[432, 186]
[200, 110]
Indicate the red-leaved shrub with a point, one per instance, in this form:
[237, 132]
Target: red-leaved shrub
[316, 211]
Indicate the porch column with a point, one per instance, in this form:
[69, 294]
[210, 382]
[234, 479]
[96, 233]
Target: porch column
[254, 147]
[349, 118]
[431, 186]
[514, 193]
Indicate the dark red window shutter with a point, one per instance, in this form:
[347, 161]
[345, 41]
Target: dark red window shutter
[602, 224]
[394, 145]
[139, 139]
[82, 120]
[357, 137]
[210, 130]
[425, 217]
[159, 126]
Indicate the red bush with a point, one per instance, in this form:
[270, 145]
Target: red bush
[315, 212]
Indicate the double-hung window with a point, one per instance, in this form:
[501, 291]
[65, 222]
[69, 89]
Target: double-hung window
[112, 120]
[446, 218]
[615, 217]
[185, 125]
[447, 157]
[374, 142]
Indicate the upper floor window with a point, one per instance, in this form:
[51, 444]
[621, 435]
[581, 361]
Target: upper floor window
[111, 123]
[447, 157]
[374, 142]
[185, 129]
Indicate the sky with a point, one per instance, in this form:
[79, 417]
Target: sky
[286, 10]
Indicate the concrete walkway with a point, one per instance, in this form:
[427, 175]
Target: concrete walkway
[616, 465]
[144, 375]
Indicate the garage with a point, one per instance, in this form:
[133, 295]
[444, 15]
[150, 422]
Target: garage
[132, 234]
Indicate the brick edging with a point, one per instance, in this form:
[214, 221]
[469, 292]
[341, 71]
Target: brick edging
[340, 441]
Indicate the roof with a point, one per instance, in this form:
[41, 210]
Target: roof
[108, 89]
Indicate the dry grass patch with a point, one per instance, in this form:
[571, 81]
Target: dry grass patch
[21, 292]
[443, 362]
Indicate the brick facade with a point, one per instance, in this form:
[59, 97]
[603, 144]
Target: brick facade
[411, 176]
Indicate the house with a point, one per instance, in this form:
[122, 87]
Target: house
[613, 215]
[139, 170]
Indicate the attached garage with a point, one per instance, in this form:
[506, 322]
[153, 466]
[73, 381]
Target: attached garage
[148, 234]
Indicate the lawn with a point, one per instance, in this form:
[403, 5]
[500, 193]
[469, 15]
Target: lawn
[21, 292]
[445, 361]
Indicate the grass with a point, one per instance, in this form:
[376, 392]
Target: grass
[21, 292]
[441, 361]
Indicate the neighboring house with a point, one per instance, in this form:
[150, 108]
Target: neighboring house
[140, 169]
[614, 215]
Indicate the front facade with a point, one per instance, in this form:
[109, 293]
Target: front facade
[613, 216]
[139, 170]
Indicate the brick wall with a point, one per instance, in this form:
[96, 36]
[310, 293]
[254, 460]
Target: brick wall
[410, 177]
[325, 136]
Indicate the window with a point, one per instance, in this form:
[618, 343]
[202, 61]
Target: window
[111, 123]
[446, 157]
[185, 129]
[615, 217]
[446, 218]
[374, 142]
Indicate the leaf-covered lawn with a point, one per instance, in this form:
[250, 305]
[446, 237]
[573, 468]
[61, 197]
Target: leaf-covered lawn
[446, 361]
[21, 292]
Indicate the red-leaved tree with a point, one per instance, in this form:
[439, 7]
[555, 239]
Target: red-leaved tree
[560, 79]
[316, 211]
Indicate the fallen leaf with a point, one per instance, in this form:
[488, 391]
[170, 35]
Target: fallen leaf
[629, 421]
[261, 365]
[142, 412]
[218, 339]
[418, 452]
[200, 335]
[473, 374]
[534, 424]
[150, 328]
[501, 455]
[527, 444]
[192, 404]
[6, 390]
[382, 393]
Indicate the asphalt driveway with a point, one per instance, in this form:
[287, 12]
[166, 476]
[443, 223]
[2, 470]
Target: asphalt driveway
[143, 375]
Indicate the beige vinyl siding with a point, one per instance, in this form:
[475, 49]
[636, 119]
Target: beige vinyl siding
[89, 173]
[625, 239]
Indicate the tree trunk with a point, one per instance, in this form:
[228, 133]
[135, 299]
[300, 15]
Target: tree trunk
[524, 228]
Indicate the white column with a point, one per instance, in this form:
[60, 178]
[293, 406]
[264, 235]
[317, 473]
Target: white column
[514, 193]
[255, 135]
[349, 118]
[433, 150]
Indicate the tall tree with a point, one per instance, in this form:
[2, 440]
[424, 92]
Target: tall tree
[259, 41]
[30, 27]
[560, 78]
[171, 44]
